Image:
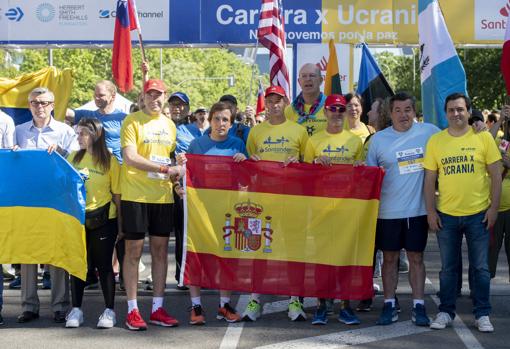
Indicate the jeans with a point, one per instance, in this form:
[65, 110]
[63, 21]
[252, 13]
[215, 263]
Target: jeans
[1, 286]
[449, 239]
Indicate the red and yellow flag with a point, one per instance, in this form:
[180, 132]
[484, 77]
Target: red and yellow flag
[301, 230]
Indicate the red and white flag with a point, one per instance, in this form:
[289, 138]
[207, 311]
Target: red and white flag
[271, 34]
[505, 57]
[261, 104]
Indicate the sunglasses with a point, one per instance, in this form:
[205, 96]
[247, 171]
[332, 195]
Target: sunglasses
[41, 103]
[334, 109]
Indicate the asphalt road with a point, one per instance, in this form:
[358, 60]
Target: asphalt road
[273, 330]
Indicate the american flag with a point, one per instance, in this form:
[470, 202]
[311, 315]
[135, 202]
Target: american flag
[271, 34]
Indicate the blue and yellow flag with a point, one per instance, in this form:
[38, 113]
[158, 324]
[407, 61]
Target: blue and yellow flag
[42, 211]
[14, 92]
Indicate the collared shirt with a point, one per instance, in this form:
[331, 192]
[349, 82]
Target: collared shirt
[6, 131]
[28, 136]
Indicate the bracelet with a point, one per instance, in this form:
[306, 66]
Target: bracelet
[163, 169]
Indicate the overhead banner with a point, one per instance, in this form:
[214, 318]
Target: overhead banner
[177, 22]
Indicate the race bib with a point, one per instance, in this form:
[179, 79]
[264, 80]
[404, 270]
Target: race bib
[160, 160]
[410, 160]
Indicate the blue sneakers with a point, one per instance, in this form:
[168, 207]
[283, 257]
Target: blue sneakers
[419, 316]
[320, 317]
[348, 317]
[389, 315]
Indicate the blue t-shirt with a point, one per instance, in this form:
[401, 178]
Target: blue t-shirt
[204, 145]
[402, 155]
[240, 131]
[185, 135]
[111, 124]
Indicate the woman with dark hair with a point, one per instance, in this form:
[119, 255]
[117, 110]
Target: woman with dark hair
[354, 112]
[100, 170]
[217, 142]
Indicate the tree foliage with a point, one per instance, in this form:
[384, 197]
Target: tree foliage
[187, 70]
[484, 81]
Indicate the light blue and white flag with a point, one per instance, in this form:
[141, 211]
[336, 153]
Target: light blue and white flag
[442, 72]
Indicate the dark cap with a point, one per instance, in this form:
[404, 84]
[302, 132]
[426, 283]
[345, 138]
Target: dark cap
[228, 98]
[476, 115]
[181, 95]
[201, 110]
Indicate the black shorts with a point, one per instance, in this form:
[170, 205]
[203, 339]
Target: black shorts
[408, 233]
[139, 219]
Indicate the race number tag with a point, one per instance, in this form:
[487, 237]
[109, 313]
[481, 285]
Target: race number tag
[160, 160]
[410, 160]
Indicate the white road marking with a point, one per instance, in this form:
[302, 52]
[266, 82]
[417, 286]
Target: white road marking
[464, 333]
[346, 339]
[233, 333]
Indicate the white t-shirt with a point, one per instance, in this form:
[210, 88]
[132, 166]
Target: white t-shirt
[6, 131]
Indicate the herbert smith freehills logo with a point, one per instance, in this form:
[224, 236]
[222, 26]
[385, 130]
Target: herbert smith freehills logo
[45, 12]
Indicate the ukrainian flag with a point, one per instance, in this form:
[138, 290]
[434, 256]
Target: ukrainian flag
[42, 211]
[300, 230]
[14, 92]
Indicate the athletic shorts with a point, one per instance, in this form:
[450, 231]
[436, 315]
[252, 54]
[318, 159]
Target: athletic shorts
[396, 234]
[138, 219]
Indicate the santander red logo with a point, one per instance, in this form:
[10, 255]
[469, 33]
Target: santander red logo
[505, 10]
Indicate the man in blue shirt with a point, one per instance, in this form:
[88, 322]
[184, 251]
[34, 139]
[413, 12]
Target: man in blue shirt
[104, 97]
[402, 220]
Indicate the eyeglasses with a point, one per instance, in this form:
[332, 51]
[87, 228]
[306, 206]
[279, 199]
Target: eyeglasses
[40, 103]
[334, 109]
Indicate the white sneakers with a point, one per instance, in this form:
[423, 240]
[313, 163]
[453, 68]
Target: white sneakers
[442, 320]
[75, 319]
[107, 319]
[484, 324]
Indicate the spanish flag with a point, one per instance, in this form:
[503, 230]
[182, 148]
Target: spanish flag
[300, 230]
[42, 211]
[332, 84]
[14, 92]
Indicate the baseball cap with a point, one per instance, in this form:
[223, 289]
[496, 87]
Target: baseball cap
[181, 95]
[277, 90]
[335, 100]
[154, 84]
[228, 98]
[201, 110]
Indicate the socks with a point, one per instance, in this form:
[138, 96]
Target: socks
[132, 304]
[157, 302]
[224, 300]
[418, 301]
[390, 300]
[195, 301]
[255, 297]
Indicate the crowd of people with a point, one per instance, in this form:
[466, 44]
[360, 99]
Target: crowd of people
[453, 182]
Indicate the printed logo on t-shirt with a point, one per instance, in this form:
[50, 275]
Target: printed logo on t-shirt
[158, 136]
[410, 160]
[277, 145]
[459, 164]
[337, 154]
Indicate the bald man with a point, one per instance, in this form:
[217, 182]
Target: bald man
[308, 107]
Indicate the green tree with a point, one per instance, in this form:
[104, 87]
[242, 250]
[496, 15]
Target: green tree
[187, 70]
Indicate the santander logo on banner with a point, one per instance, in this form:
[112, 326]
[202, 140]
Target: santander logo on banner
[490, 19]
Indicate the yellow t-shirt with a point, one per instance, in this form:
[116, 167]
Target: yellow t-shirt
[461, 163]
[277, 142]
[99, 185]
[341, 148]
[312, 126]
[362, 131]
[154, 139]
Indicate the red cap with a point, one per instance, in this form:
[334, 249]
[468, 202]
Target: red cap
[154, 84]
[278, 90]
[335, 100]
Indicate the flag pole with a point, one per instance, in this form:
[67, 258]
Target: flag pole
[253, 69]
